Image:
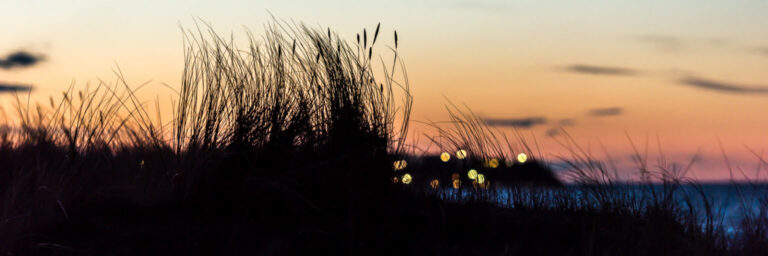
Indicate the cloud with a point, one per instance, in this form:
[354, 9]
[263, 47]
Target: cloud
[554, 131]
[601, 70]
[19, 59]
[718, 41]
[724, 86]
[606, 111]
[565, 122]
[516, 122]
[763, 51]
[663, 42]
[8, 88]
[671, 43]
[565, 165]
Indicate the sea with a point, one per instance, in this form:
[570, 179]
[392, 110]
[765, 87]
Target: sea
[730, 203]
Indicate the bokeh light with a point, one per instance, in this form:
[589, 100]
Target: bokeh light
[395, 179]
[456, 184]
[399, 165]
[472, 174]
[445, 157]
[492, 163]
[522, 158]
[480, 178]
[434, 183]
[407, 178]
[461, 154]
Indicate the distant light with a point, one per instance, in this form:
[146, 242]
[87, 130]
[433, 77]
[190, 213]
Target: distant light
[522, 158]
[434, 183]
[399, 165]
[407, 178]
[461, 154]
[472, 174]
[492, 163]
[456, 184]
[445, 156]
[455, 176]
[480, 178]
[508, 162]
[395, 179]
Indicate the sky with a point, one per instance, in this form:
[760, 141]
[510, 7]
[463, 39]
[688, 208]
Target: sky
[689, 75]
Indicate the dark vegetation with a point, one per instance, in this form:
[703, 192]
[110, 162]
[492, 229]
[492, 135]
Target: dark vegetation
[286, 146]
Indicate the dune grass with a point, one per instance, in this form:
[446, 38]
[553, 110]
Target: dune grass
[286, 146]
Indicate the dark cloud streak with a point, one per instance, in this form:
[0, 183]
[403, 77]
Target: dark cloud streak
[606, 111]
[20, 59]
[9, 88]
[724, 86]
[516, 122]
[601, 70]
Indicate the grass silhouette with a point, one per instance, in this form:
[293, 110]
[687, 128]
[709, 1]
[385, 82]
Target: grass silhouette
[286, 146]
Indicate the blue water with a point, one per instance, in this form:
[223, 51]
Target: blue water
[730, 203]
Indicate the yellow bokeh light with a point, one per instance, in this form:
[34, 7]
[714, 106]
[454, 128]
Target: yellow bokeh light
[492, 163]
[456, 184]
[461, 154]
[522, 158]
[399, 165]
[480, 178]
[445, 156]
[472, 174]
[407, 178]
[434, 183]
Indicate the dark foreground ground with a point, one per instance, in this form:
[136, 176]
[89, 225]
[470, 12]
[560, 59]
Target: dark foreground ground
[138, 215]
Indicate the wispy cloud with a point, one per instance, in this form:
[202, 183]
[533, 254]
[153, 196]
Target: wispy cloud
[663, 42]
[561, 166]
[554, 131]
[9, 88]
[601, 70]
[606, 111]
[516, 122]
[19, 59]
[566, 122]
[762, 50]
[724, 86]
[670, 43]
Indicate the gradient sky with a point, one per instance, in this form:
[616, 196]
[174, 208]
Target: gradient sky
[692, 73]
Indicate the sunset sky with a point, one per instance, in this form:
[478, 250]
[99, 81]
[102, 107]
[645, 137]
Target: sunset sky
[692, 73]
